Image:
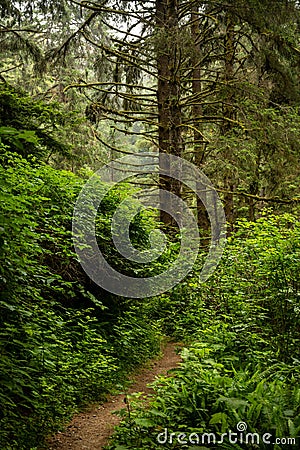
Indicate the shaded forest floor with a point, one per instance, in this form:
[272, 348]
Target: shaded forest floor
[91, 429]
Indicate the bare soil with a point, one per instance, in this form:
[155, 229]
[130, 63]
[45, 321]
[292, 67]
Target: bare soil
[91, 429]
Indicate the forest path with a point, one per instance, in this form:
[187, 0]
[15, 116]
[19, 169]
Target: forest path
[91, 429]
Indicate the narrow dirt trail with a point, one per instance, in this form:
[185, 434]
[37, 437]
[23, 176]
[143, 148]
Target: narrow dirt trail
[91, 430]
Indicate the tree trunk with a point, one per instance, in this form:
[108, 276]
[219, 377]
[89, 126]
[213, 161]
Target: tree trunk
[168, 95]
[197, 111]
[228, 114]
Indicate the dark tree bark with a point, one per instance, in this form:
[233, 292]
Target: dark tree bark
[228, 114]
[197, 111]
[168, 94]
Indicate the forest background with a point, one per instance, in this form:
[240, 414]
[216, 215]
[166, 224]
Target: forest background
[213, 82]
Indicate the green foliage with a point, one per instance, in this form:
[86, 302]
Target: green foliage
[63, 343]
[264, 153]
[206, 395]
[243, 361]
[133, 327]
[255, 289]
[30, 126]
[270, 284]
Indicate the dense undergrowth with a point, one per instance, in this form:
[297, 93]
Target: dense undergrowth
[64, 342]
[241, 369]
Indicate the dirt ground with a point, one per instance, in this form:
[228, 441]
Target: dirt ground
[91, 429]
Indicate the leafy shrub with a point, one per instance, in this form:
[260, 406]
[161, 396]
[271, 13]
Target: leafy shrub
[206, 396]
[29, 126]
[132, 328]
